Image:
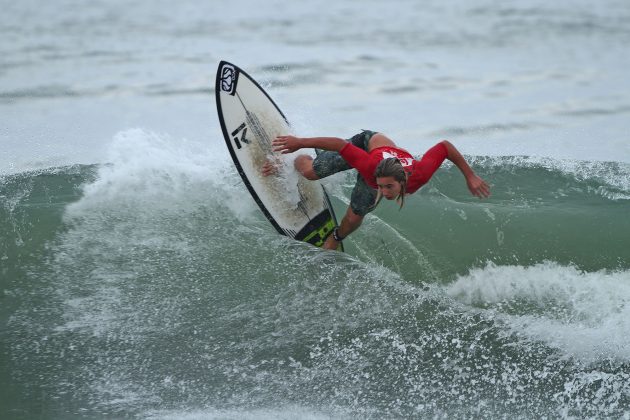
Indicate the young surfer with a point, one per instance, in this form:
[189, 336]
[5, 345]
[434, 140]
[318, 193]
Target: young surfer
[385, 170]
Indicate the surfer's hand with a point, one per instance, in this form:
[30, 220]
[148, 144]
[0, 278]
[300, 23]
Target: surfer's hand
[270, 168]
[478, 186]
[286, 144]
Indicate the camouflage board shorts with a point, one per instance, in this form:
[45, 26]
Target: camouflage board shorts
[328, 163]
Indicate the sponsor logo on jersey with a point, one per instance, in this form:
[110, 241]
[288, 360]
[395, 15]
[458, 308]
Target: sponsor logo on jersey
[404, 161]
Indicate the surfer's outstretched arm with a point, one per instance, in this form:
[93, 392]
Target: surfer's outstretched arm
[289, 144]
[303, 163]
[476, 185]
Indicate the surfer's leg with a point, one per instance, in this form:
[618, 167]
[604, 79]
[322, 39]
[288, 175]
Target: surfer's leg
[328, 162]
[350, 222]
[325, 164]
[361, 203]
[304, 165]
[363, 197]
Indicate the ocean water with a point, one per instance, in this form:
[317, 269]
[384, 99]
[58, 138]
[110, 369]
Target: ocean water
[138, 279]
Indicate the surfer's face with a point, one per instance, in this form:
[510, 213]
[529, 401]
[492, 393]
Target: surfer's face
[390, 188]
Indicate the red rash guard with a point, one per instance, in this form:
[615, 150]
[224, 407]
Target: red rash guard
[419, 171]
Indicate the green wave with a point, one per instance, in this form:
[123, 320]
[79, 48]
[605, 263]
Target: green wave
[536, 213]
[539, 210]
[122, 299]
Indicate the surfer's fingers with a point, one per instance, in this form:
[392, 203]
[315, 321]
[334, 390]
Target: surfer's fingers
[279, 145]
[483, 191]
[271, 166]
[279, 139]
[282, 150]
[476, 191]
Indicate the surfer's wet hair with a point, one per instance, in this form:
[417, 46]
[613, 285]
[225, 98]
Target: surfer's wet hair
[391, 167]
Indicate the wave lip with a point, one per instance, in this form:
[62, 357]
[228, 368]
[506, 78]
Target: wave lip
[149, 168]
[584, 315]
[613, 176]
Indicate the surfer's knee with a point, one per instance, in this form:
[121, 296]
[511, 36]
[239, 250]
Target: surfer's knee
[304, 165]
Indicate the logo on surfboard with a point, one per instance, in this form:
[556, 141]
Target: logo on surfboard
[229, 77]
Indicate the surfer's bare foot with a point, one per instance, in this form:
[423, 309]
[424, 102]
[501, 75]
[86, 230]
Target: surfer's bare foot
[270, 168]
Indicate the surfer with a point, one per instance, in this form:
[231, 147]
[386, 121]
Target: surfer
[385, 170]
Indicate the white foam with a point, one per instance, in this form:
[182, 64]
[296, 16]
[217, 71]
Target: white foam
[155, 171]
[289, 412]
[151, 180]
[289, 178]
[584, 315]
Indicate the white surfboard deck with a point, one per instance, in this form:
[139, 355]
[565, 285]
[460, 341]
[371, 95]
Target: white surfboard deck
[250, 120]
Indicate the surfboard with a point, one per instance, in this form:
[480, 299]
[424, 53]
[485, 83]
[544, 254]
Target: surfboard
[250, 120]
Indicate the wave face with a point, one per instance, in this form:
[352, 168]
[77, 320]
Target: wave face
[154, 287]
